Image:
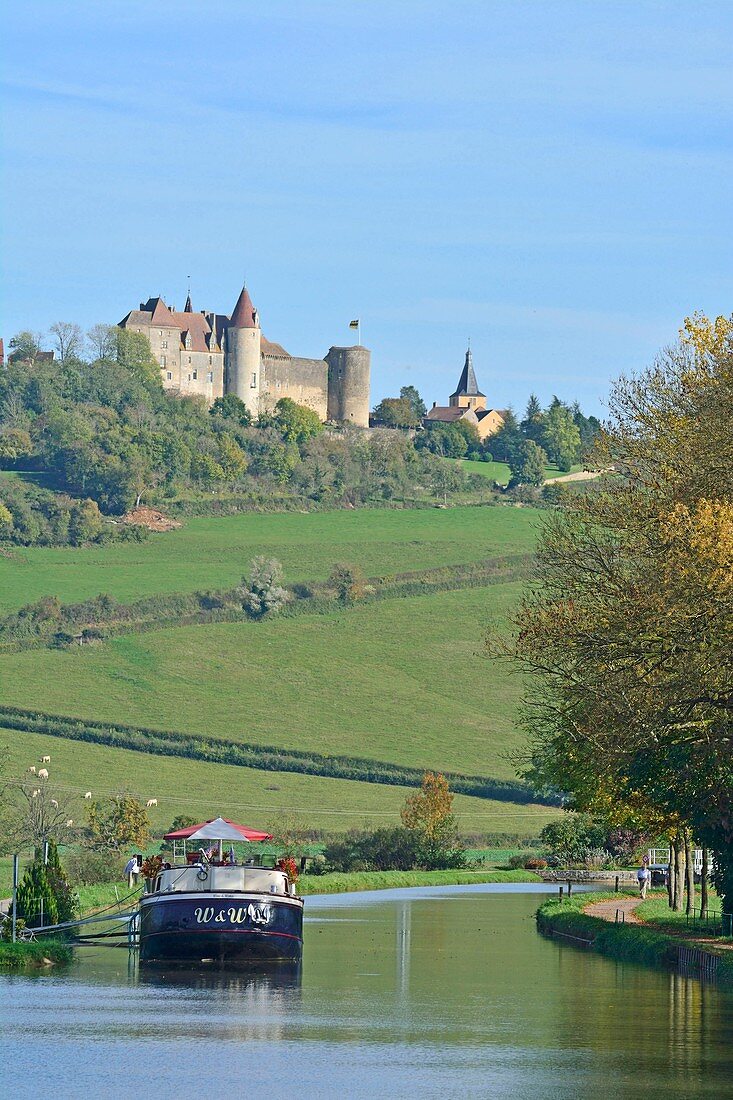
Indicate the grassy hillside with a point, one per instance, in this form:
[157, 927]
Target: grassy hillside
[401, 681]
[500, 472]
[257, 798]
[213, 552]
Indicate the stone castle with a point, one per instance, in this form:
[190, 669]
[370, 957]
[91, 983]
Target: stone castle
[210, 354]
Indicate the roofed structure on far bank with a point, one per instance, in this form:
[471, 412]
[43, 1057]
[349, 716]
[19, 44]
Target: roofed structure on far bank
[467, 403]
[211, 354]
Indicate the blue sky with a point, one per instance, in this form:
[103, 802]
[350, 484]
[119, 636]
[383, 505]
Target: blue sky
[550, 179]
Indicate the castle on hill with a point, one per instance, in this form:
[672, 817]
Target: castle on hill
[467, 404]
[211, 354]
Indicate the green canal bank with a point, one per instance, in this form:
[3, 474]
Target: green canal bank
[670, 946]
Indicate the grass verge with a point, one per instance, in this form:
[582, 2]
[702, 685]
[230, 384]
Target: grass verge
[637, 943]
[35, 955]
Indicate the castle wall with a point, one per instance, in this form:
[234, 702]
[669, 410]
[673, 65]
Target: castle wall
[348, 385]
[202, 373]
[304, 381]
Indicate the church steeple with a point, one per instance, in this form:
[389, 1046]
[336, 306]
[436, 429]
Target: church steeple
[467, 385]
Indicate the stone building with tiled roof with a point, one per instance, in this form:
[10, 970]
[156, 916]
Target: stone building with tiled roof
[211, 354]
[468, 404]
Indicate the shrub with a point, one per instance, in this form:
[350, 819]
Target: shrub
[535, 864]
[519, 861]
[87, 868]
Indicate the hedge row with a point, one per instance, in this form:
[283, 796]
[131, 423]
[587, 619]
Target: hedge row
[50, 623]
[219, 750]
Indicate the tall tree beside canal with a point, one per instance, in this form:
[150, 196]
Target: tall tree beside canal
[628, 632]
[428, 814]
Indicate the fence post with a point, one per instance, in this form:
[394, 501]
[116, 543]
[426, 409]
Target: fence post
[615, 889]
[570, 887]
[560, 893]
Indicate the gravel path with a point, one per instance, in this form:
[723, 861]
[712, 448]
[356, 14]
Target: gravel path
[606, 910]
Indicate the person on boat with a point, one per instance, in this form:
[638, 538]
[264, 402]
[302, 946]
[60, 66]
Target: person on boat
[232, 858]
[132, 870]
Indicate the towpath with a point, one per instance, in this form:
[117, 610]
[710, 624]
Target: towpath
[606, 910]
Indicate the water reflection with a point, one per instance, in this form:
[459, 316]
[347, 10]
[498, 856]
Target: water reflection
[444, 994]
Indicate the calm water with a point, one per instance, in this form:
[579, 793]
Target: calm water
[445, 992]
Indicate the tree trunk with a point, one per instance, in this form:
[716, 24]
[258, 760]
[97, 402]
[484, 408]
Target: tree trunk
[704, 882]
[690, 876]
[678, 892]
[670, 877]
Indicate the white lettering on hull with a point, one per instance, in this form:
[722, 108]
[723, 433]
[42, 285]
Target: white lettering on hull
[254, 914]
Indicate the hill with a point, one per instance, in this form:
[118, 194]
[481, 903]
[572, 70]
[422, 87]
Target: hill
[400, 680]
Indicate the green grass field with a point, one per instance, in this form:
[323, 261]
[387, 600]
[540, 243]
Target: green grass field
[500, 472]
[214, 552]
[402, 680]
[257, 798]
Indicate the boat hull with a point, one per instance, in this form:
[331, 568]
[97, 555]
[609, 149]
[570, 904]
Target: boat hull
[220, 928]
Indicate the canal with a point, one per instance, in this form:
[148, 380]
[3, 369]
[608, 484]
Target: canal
[437, 992]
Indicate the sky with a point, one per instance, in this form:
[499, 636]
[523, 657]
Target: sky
[549, 179]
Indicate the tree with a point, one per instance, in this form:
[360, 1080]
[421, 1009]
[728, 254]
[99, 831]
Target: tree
[561, 438]
[44, 811]
[232, 407]
[297, 423]
[628, 630]
[527, 465]
[102, 340]
[348, 582]
[417, 404]
[25, 347]
[396, 412]
[118, 823]
[429, 815]
[571, 836]
[506, 443]
[262, 592]
[14, 442]
[69, 340]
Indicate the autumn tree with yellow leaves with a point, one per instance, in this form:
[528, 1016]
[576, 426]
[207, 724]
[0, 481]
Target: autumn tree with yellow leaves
[627, 631]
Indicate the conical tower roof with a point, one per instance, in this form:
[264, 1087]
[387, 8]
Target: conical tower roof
[467, 385]
[188, 308]
[245, 314]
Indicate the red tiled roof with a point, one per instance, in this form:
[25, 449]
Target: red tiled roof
[446, 413]
[244, 315]
[270, 348]
[195, 324]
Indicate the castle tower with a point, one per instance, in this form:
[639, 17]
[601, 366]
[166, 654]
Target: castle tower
[243, 353]
[468, 395]
[348, 385]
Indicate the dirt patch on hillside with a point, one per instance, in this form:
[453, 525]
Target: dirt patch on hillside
[150, 518]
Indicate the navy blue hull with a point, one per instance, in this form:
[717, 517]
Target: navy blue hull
[223, 929]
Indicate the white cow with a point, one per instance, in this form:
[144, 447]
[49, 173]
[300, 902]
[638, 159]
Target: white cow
[151, 802]
[32, 769]
[70, 823]
[45, 759]
[88, 794]
[54, 803]
[35, 794]
[43, 773]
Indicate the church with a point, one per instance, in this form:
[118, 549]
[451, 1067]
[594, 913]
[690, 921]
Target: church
[211, 354]
[467, 404]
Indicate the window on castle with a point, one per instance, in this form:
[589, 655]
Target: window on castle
[164, 343]
[210, 376]
[253, 383]
[195, 373]
[189, 358]
[169, 375]
[162, 360]
[210, 360]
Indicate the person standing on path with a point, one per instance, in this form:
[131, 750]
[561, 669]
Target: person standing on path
[643, 877]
